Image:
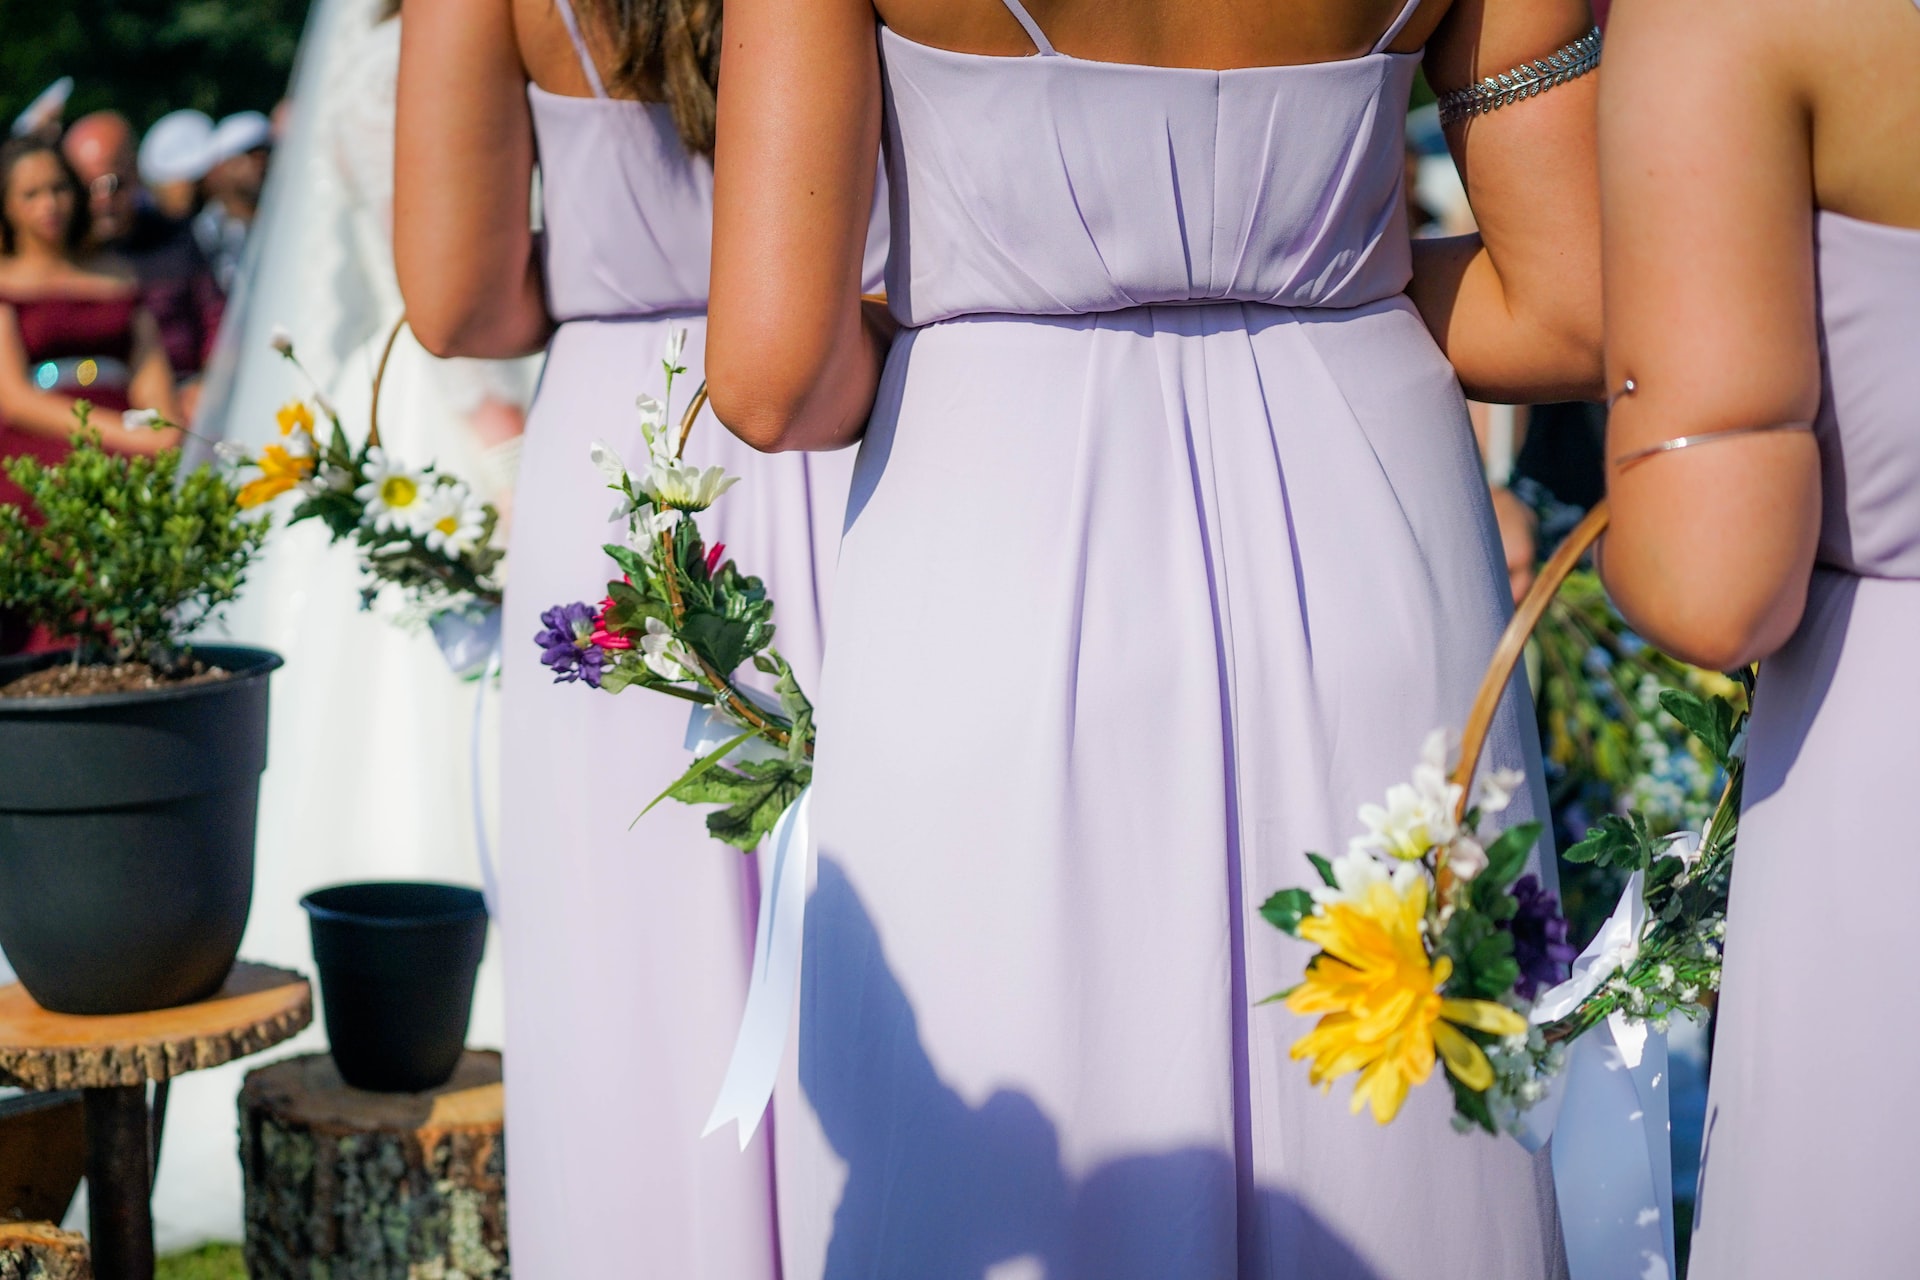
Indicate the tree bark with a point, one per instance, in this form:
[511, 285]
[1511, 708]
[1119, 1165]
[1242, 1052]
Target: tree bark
[41, 1251]
[347, 1185]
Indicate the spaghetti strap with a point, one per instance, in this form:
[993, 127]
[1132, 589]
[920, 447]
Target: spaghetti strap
[1400, 24]
[572, 25]
[1039, 37]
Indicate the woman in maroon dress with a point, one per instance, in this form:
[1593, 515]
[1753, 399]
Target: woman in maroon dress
[71, 329]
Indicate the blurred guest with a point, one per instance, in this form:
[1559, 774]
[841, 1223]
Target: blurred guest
[237, 169]
[176, 283]
[174, 156]
[71, 325]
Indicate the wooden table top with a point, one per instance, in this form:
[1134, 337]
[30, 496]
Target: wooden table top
[259, 1007]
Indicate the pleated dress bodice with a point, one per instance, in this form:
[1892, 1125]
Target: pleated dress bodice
[1278, 185]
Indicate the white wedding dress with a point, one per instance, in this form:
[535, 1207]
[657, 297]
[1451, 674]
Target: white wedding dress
[370, 750]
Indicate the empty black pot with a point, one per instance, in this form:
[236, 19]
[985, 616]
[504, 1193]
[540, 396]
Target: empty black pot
[126, 835]
[397, 962]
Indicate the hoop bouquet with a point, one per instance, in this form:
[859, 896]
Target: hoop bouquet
[1434, 945]
[683, 620]
[422, 534]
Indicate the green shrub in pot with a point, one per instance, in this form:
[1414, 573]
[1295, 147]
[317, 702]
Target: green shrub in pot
[129, 765]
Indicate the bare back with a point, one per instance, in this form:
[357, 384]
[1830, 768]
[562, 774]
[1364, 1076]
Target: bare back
[1215, 34]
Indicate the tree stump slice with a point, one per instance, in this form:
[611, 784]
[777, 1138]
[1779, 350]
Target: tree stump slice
[259, 1007]
[41, 1251]
[342, 1184]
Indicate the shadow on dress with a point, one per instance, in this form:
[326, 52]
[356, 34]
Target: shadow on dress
[938, 1189]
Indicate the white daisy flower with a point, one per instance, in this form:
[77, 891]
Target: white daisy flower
[673, 483]
[1416, 817]
[395, 496]
[456, 520]
[1358, 871]
[144, 420]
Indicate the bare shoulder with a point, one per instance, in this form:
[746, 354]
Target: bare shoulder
[1843, 74]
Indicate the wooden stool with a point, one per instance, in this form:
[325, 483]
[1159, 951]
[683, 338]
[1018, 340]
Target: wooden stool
[41, 1251]
[364, 1186]
[111, 1059]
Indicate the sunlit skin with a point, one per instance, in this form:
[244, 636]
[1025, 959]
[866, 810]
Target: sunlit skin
[463, 167]
[1724, 125]
[38, 204]
[792, 360]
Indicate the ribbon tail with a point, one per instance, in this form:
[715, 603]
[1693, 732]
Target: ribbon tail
[773, 984]
[489, 879]
[1612, 1169]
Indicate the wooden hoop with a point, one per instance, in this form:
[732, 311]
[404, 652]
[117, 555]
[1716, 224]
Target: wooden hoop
[380, 376]
[1513, 643]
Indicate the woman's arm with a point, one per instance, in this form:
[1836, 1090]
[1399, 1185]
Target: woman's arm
[463, 174]
[152, 388]
[50, 413]
[792, 359]
[1705, 157]
[1516, 307]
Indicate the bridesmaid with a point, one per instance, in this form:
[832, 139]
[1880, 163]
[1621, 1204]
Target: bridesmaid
[626, 952]
[1175, 494]
[1762, 196]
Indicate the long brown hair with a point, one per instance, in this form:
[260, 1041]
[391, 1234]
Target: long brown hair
[665, 51]
[11, 154]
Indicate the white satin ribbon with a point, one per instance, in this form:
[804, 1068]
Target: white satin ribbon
[786, 865]
[1607, 1115]
[470, 642]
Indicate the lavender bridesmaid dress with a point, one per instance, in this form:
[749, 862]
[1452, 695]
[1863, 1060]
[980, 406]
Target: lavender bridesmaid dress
[1168, 483]
[627, 950]
[1812, 1148]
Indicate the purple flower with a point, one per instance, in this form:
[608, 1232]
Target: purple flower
[567, 646]
[1539, 938]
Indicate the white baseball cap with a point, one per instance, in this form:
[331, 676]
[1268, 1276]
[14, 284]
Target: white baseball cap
[177, 148]
[238, 134]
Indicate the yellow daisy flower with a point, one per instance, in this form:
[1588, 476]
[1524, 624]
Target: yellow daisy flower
[279, 472]
[1380, 996]
[295, 415]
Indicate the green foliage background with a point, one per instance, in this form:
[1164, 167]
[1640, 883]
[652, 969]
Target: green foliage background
[148, 57]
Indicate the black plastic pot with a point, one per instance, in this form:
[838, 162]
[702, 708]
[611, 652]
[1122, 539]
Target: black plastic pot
[397, 963]
[126, 835]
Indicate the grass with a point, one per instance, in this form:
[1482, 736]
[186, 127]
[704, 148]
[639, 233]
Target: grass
[208, 1262]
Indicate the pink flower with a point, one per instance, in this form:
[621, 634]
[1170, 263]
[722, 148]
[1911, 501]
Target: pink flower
[603, 638]
[713, 557]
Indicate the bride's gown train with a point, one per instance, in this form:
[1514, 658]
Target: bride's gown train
[369, 773]
[1168, 483]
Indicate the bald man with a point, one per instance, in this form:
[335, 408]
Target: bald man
[176, 283]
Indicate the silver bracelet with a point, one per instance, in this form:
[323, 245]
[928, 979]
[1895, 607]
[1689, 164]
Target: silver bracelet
[1524, 81]
[1626, 460]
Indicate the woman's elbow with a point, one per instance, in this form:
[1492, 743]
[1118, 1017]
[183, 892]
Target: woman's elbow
[1715, 630]
[759, 420]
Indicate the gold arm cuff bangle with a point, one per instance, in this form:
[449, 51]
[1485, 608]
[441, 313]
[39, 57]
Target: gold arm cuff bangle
[1626, 460]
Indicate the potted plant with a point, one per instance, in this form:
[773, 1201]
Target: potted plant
[130, 762]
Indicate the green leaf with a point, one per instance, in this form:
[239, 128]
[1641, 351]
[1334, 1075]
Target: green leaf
[755, 795]
[1507, 855]
[1709, 720]
[1286, 909]
[721, 641]
[1324, 867]
[1627, 843]
[1471, 1104]
[700, 766]
[1278, 996]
